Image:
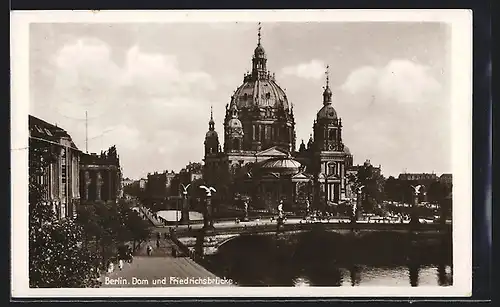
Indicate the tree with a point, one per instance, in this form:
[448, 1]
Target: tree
[110, 225]
[392, 189]
[59, 260]
[373, 183]
[56, 256]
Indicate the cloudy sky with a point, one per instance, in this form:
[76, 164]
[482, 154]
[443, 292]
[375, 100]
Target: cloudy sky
[148, 88]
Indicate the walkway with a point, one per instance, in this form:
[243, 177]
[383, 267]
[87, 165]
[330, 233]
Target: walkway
[160, 269]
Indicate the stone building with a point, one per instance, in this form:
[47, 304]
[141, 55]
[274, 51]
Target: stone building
[159, 185]
[100, 176]
[259, 159]
[61, 176]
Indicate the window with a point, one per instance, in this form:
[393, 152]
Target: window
[39, 129]
[48, 132]
[63, 171]
[331, 168]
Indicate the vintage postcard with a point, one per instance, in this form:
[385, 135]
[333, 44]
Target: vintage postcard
[241, 153]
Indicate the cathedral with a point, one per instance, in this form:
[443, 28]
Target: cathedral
[259, 160]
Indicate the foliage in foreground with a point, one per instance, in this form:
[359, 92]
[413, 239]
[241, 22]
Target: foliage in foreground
[56, 256]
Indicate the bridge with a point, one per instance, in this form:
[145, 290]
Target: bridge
[197, 241]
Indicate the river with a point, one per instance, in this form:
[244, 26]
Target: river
[329, 259]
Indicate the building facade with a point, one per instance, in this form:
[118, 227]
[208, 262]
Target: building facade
[61, 177]
[101, 177]
[258, 158]
[159, 185]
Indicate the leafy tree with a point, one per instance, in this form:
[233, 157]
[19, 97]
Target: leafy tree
[392, 189]
[373, 183]
[56, 256]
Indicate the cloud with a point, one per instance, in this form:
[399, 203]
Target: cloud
[400, 81]
[138, 106]
[397, 115]
[314, 69]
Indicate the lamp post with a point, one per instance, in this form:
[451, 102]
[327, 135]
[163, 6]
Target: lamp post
[185, 205]
[417, 190]
[208, 221]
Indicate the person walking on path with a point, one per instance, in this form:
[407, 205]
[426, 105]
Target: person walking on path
[149, 250]
[157, 243]
[120, 264]
[111, 267]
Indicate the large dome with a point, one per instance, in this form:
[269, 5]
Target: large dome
[260, 93]
[284, 166]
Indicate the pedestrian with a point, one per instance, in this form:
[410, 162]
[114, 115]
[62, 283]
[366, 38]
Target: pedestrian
[149, 250]
[120, 264]
[157, 243]
[111, 267]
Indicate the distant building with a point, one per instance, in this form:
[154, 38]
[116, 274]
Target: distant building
[142, 183]
[61, 177]
[127, 181]
[419, 177]
[158, 186]
[101, 177]
[446, 179]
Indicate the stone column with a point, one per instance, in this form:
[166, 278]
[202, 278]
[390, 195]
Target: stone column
[98, 186]
[87, 183]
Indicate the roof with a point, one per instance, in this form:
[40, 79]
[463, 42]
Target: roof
[94, 159]
[260, 93]
[327, 112]
[282, 166]
[39, 128]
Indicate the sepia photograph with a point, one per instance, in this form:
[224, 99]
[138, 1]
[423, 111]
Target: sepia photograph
[319, 153]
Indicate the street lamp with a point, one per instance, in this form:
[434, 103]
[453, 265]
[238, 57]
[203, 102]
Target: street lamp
[185, 209]
[417, 190]
[208, 221]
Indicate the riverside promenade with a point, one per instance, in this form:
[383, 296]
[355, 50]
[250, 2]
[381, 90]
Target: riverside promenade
[161, 269]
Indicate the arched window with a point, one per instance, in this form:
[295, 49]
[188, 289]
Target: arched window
[236, 144]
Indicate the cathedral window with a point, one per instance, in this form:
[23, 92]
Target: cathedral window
[331, 168]
[268, 95]
[236, 144]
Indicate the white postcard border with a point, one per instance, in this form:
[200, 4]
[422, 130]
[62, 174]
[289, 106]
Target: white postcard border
[461, 96]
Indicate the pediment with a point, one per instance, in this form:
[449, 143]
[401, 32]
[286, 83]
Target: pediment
[300, 176]
[273, 152]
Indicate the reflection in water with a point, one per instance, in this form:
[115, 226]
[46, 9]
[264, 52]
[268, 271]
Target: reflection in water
[326, 259]
[413, 270]
[355, 275]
